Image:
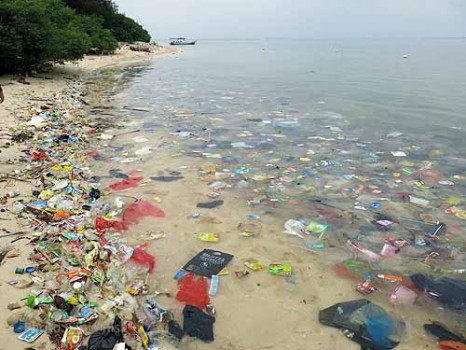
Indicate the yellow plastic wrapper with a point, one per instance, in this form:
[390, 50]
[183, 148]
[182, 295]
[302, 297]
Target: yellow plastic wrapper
[254, 264]
[208, 236]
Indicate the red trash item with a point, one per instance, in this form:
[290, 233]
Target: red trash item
[93, 154]
[138, 210]
[39, 156]
[142, 258]
[126, 183]
[131, 216]
[193, 291]
[451, 345]
[101, 225]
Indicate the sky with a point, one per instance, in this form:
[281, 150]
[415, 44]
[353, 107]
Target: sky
[203, 19]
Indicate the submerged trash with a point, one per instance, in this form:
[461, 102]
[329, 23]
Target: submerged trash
[166, 178]
[126, 183]
[447, 339]
[364, 323]
[210, 205]
[447, 291]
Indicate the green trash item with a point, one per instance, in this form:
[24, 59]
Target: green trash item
[280, 269]
[73, 261]
[315, 227]
[32, 301]
[356, 266]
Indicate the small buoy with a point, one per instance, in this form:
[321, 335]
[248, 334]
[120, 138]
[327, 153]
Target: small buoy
[405, 56]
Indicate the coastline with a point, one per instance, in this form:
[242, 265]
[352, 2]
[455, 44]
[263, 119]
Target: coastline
[249, 309]
[21, 100]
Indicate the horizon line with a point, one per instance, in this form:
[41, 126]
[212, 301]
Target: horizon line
[323, 38]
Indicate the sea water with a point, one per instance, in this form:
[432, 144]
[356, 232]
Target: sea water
[339, 132]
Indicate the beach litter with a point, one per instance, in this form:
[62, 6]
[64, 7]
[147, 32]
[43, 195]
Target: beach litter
[364, 323]
[82, 274]
[381, 218]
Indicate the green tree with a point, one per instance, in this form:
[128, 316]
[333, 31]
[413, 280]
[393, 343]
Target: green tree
[37, 31]
[101, 39]
[127, 29]
[122, 27]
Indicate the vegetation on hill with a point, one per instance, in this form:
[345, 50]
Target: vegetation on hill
[34, 32]
[122, 27]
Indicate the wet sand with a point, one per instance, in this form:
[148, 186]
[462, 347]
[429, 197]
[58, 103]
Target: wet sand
[259, 311]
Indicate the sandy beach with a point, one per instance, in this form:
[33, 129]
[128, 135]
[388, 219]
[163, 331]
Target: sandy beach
[258, 311]
[20, 102]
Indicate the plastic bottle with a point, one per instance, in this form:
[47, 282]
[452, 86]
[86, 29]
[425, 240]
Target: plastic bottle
[214, 285]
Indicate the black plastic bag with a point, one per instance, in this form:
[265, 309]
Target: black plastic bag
[175, 329]
[364, 323]
[198, 324]
[106, 338]
[447, 291]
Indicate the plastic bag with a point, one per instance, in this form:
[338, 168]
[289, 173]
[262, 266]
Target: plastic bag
[131, 216]
[365, 323]
[193, 291]
[447, 291]
[101, 225]
[142, 258]
[138, 210]
[126, 183]
[106, 339]
[198, 324]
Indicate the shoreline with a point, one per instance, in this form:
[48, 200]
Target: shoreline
[20, 102]
[256, 303]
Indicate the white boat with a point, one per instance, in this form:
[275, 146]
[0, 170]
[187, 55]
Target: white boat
[182, 41]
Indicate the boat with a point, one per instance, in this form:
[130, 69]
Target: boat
[182, 41]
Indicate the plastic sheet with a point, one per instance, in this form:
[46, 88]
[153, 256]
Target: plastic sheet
[138, 210]
[365, 323]
[193, 291]
[447, 291]
[130, 182]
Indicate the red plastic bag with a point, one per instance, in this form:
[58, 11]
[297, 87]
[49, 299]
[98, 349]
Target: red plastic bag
[126, 183]
[131, 216]
[193, 291]
[101, 225]
[142, 258]
[138, 210]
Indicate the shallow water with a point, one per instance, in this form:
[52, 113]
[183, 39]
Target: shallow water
[305, 130]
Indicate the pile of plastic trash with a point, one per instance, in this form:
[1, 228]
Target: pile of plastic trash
[88, 288]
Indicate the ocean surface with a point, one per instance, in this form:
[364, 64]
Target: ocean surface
[366, 82]
[342, 133]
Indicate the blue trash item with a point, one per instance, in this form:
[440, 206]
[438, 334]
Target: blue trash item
[380, 329]
[19, 327]
[364, 323]
[285, 123]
